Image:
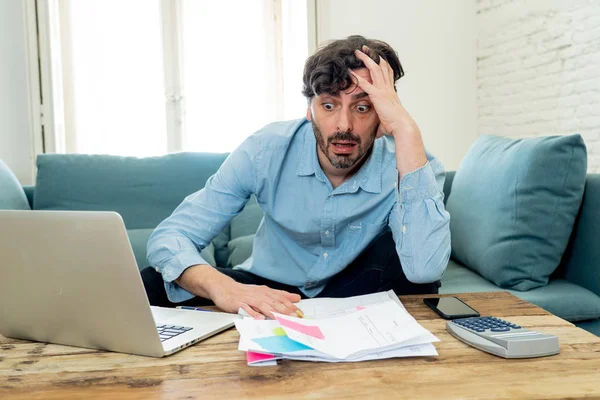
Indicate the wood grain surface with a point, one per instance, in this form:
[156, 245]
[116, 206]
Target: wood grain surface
[215, 369]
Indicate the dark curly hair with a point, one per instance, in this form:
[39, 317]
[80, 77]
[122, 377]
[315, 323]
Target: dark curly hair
[326, 71]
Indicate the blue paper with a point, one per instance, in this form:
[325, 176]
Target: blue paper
[280, 344]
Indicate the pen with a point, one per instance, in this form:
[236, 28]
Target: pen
[193, 308]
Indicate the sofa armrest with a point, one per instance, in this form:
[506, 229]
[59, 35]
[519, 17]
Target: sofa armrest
[29, 191]
[581, 261]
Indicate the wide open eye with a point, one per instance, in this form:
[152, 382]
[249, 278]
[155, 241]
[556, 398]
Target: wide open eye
[328, 106]
[363, 108]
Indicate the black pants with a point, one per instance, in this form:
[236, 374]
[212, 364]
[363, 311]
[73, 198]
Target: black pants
[376, 269]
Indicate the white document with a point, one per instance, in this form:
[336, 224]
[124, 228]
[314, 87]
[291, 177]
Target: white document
[250, 329]
[267, 363]
[420, 350]
[379, 327]
[359, 328]
[326, 307]
[331, 307]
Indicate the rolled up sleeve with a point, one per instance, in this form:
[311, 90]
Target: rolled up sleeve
[420, 223]
[176, 243]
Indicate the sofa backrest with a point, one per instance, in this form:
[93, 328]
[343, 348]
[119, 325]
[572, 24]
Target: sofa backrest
[147, 190]
[144, 191]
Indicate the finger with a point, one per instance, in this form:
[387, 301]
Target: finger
[266, 309]
[384, 71]
[362, 82]
[382, 61]
[293, 297]
[372, 66]
[251, 312]
[285, 300]
[282, 308]
[290, 308]
[387, 71]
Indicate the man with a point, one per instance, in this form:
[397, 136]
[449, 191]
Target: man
[352, 203]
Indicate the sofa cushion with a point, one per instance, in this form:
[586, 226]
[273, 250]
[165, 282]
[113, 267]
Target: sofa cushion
[560, 297]
[29, 192]
[247, 222]
[143, 190]
[139, 240]
[240, 249]
[513, 204]
[592, 326]
[564, 299]
[229, 251]
[12, 196]
[221, 247]
[460, 279]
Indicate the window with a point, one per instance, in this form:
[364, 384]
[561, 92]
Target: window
[113, 78]
[147, 77]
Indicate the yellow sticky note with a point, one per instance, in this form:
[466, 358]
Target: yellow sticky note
[279, 332]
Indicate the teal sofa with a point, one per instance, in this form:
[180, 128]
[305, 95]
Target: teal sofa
[146, 190]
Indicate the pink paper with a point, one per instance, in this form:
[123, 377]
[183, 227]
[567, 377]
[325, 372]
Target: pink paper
[313, 331]
[358, 308]
[252, 357]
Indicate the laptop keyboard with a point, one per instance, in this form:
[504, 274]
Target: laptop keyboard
[167, 332]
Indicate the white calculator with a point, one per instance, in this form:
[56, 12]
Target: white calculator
[503, 338]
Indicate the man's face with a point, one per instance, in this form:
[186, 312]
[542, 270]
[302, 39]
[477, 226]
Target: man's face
[345, 124]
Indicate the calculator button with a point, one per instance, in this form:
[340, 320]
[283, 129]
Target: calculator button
[501, 329]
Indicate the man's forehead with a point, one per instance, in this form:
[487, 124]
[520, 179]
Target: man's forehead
[354, 91]
[363, 73]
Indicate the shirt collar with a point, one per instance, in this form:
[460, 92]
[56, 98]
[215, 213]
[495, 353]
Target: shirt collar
[368, 177]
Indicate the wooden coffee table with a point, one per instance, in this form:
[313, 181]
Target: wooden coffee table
[216, 369]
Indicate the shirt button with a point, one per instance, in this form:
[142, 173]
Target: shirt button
[327, 232]
[403, 228]
[325, 255]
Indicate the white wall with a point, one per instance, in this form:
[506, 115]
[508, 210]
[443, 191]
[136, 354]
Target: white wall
[436, 43]
[538, 69]
[15, 139]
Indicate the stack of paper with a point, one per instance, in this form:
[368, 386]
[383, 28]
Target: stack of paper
[358, 328]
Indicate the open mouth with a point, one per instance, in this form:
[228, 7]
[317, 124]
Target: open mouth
[343, 146]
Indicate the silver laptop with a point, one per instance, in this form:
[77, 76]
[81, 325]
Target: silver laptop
[70, 277]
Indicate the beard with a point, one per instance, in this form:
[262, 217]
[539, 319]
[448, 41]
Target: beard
[343, 161]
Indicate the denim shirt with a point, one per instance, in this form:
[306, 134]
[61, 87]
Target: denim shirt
[310, 231]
